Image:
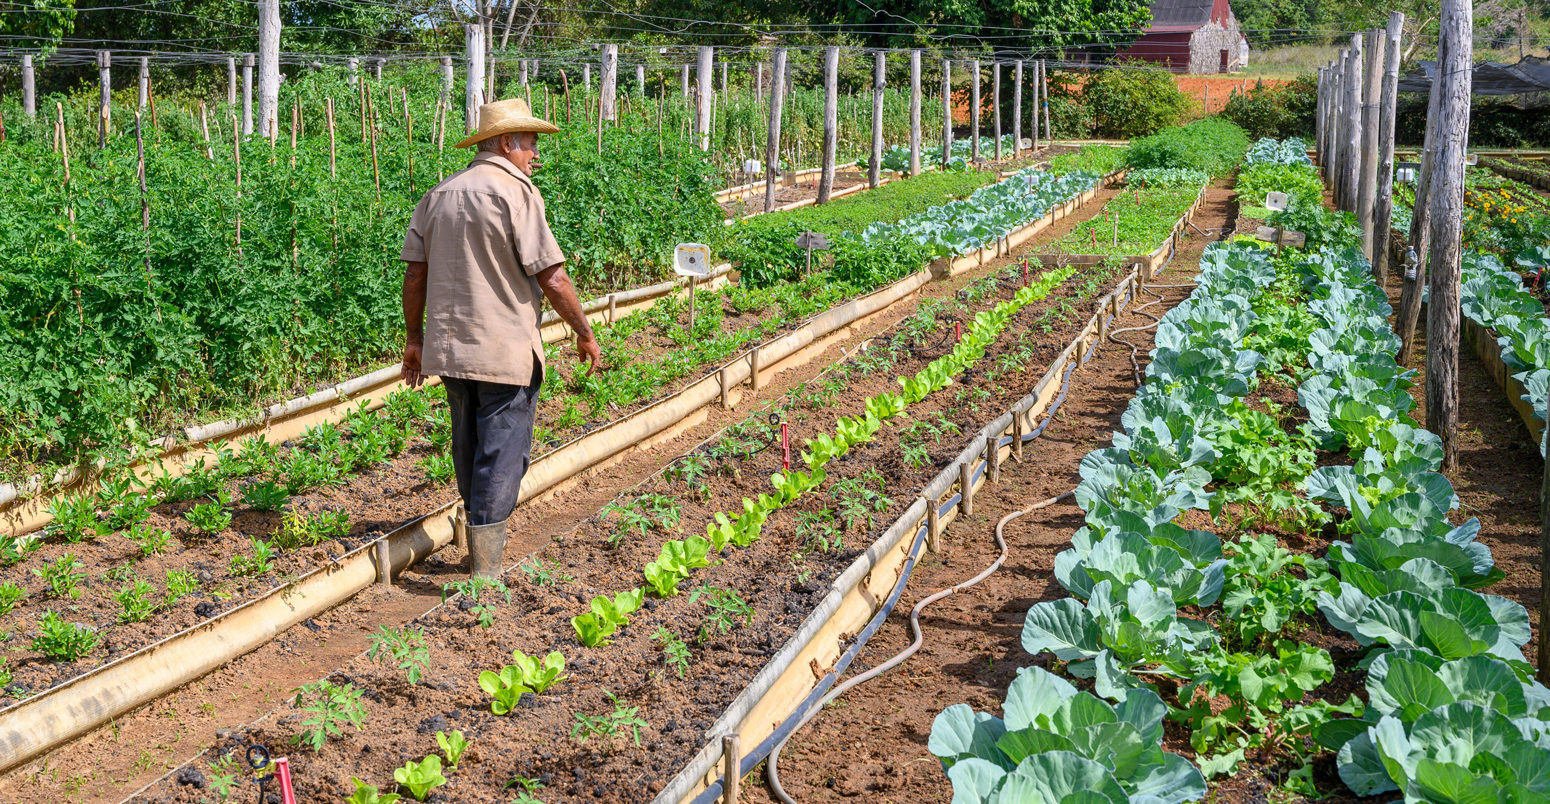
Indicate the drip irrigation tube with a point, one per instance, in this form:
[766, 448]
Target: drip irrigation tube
[915, 645]
[814, 700]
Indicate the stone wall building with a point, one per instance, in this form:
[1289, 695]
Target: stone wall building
[1192, 36]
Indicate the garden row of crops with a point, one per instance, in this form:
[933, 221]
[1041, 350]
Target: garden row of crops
[262, 270]
[1185, 605]
[134, 563]
[726, 551]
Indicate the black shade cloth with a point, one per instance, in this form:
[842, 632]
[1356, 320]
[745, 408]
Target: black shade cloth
[1532, 74]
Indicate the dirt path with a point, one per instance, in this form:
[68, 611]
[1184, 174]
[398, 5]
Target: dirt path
[871, 743]
[117, 760]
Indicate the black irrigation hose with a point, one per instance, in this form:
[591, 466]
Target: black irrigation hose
[946, 333]
[784, 732]
[1135, 365]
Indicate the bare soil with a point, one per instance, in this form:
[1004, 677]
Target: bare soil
[107, 764]
[781, 576]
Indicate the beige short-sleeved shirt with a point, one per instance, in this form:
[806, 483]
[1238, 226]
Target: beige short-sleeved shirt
[483, 235]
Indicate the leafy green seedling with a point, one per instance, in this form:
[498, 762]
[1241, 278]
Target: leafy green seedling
[136, 602]
[329, 708]
[63, 641]
[607, 616]
[208, 517]
[151, 540]
[266, 495]
[367, 794]
[61, 576]
[404, 648]
[505, 687]
[256, 564]
[474, 589]
[420, 777]
[452, 746]
[527, 787]
[610, 725]
[180, 583]
[10, 595]
[674, 652]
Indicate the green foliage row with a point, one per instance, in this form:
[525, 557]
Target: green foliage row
[113, 333]
[1213, 145]
[1297, 181]
[1131, 223]
[1099, 159]
[1134, 101]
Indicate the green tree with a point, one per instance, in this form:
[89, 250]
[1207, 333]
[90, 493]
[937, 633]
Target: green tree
[36, 23]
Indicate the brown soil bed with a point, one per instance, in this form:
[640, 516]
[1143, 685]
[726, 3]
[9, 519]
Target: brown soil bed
[871, 743]
[161, 735]
[781, 576]
[377, 501]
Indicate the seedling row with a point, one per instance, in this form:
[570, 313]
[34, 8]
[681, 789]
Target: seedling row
[657, 660]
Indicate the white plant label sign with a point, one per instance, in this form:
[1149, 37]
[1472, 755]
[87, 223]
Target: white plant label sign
[692, 260]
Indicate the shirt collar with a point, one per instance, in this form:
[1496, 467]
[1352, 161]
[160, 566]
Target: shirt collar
[501, 162]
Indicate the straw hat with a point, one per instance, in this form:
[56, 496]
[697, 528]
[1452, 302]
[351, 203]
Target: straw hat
[507, 117]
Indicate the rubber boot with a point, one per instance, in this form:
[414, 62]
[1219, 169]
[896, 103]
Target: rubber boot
[486, 544]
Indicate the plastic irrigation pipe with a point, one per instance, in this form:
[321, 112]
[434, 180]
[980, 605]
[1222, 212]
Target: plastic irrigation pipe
[787, 727]
[919, 640]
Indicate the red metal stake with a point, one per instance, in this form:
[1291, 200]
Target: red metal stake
[957, 332]
[1025, 273]
[282, 773]
[785, 447]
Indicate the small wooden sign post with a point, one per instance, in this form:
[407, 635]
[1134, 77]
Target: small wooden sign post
[809, 241]
[692, 260]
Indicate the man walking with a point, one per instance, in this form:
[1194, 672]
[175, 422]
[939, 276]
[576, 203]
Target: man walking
[479, 252]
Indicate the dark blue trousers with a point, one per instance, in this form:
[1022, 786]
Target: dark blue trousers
[492, 442]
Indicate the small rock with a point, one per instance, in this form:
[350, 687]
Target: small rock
[455, 714]
[271, 798]
[205, 609]
[465, 604]
[191, 777]
[224, 734]
[311, 624]
[528, 700]
[205, 576]
[432, 725]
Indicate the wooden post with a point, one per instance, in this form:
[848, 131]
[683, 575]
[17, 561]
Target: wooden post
[143, 97]
[995, 100]
[204, 131]
[1353, 131]
[1372, 94]
[269, 65]
[105, 96]
[1454, 53]
[247, 94]
[1017, 108]
[831, 65]
[758, 82]
[874, 173]
[640, 80]
[683, 80]
[705, 84]
[772, 141]
[1387, 107]
[353, 68]
[448, 80]
[1034, 138]
[914, 112]
[974, 113]
[231, 80]
[966, 488]
[1420, 233]
[371, 125]
[1044, 94]
[610, 82]
[1320, 152]
[328, 109]
[64, 154]
[474, 82]
[1544, 579]
[723, 76]
[29, 88]
[947, 112]
[145, 199]
[731, 769]
[376, 68]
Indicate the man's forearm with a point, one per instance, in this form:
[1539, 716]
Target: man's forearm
[414, 301]
[561, 294]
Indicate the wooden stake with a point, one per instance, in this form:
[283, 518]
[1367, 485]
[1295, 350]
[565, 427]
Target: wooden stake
[565, 84]
[947, 112]
[204, 131]
[914, 112]
[831, 63]
[1017, 108]
[974, 113]
[1387, 106]
[1447, 202]
[874, 175]
[64, 154]
[995, 100]
[1372, 95]
[105, 97]
[371, 124]
[236, 159]
[328, 110]
[1044, 94]
[409, 142]
[731, 769]
[772, 141]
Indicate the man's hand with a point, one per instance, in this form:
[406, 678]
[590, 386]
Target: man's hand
[588, 351]
[411, 366]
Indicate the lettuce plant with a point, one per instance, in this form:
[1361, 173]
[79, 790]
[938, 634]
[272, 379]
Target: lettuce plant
[607, 615]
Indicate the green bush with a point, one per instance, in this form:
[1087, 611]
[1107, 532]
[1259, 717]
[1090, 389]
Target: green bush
[1297, 181]
[1277, 111]
[1070, 119]
[1212, 145]
[1134, 101]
